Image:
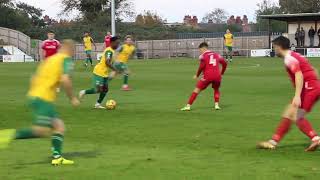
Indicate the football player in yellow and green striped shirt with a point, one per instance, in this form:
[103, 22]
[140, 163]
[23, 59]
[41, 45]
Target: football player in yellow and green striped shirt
[228, 43]
[102, 74]
[87, 43]
[125, 52]
[42, 95]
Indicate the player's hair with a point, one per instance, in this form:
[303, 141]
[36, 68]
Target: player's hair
[114, 38]
[282, 41]
[128, 36]
[51, 31]
[67, 43]
[204, 45]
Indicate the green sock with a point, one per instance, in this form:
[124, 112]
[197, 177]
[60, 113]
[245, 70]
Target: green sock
[101, 97]
[125, 79]
[90, 59]
[87, 60]
[91, 91]
[57, 141]
[26, 133]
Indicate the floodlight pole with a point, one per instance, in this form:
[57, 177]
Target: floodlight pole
[113, 17]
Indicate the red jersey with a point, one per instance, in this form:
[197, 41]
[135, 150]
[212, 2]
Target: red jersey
[50, 47]
[295, 62]
[107, 40]
[210, 66]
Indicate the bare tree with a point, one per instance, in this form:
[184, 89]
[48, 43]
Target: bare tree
[218, 16]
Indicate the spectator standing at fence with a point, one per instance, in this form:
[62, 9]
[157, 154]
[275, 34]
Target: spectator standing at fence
[318, 33]
[228, 43]
[311, 35]
[50, 46]
[302, 37]
[297, 37]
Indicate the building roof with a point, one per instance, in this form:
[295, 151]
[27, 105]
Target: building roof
[293, 17]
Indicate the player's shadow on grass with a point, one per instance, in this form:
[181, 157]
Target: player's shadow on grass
[223, 106]
[294, 146]
[68, 155]
[86, 154]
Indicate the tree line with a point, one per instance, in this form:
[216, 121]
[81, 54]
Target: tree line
[94, 16]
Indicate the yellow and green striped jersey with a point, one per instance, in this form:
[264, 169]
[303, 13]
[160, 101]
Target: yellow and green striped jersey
[101, 69]
[46, 80]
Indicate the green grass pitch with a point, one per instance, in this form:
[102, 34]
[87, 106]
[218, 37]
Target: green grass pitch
[147, 137]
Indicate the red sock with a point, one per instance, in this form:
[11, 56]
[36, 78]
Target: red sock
[216, 96]
[192, 98]
[305, 126]
[282, 129]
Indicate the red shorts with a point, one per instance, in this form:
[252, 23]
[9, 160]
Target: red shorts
[203, 84]
[310, 95]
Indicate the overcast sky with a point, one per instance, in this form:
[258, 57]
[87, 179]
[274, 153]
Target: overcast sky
[172, 10]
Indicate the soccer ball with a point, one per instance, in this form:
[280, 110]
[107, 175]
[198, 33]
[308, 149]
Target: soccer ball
[111, 104]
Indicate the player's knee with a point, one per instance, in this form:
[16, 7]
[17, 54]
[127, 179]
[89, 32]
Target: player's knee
[197, 90]
[58, 126]
[40, 131]
[105, 89]
[290, 115]
[99, 89]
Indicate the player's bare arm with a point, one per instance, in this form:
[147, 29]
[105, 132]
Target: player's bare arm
[224, 65]
[200, 70]
[299, 85]
[134, 54]
[67, 85]
[94, 44]
[109, 63]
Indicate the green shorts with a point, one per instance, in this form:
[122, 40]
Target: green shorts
[43, 111]
[88, 52]
[122, 67]
[99, 81]
[229, 48]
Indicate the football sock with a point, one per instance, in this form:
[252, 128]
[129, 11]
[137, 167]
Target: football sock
[57, 141]
[282, 129]
[125, 79]
[91, 91]
[305, 126]
[26, 133]
[90, 59]
[192, 98]
[87, 60]
[216, 96]
[101, 97]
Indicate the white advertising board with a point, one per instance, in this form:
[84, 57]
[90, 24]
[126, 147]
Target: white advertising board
[17, 58]
[313, 52]
[260, 52]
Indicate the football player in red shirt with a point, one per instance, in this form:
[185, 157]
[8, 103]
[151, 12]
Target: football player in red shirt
[210, 68]
[107, 39]
[50, 46]
[307, 92]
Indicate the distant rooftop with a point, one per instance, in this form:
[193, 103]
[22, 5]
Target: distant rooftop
[293, 17]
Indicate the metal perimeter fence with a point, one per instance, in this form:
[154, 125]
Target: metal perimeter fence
[152, 49]
[156, 49]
